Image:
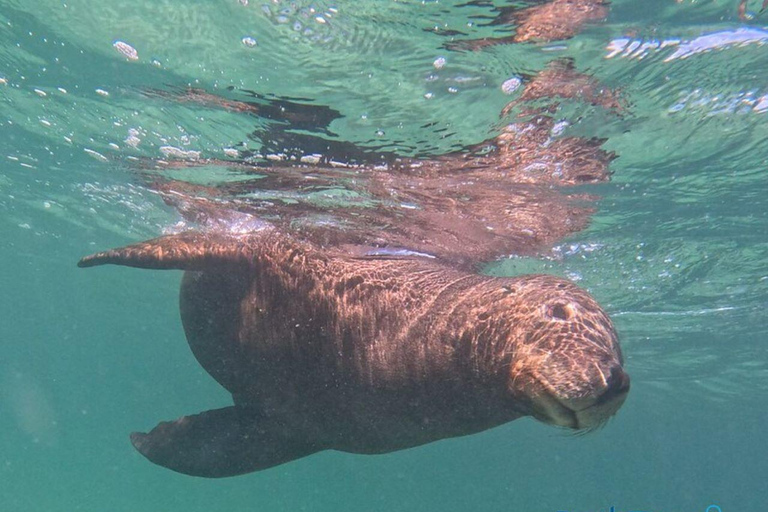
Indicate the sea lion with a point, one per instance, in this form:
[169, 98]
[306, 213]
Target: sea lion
[362, 325]
[368, 354]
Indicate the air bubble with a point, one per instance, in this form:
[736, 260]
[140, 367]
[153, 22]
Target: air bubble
[128, 51]
[511, 85]
[249, 41]
[172, 151]
[95, 154]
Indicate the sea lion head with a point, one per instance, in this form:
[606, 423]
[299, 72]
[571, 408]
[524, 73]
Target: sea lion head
[566, 364]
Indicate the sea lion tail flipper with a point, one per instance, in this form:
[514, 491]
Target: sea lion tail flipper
[220, 443]
[191, 250]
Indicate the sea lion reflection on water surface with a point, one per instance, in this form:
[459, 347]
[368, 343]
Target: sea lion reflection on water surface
[368, 354]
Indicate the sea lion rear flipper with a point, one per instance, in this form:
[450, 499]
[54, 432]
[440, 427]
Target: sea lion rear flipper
[190, 250]
[220, 443]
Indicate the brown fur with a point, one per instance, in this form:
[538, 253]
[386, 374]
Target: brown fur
[370, 355]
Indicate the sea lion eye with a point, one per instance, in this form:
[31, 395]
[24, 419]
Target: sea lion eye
[561, 312]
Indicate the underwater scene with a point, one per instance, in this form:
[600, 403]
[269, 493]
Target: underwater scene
[388, 255]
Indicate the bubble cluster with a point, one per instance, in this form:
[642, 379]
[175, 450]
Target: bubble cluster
[128, 51]
[511, 85]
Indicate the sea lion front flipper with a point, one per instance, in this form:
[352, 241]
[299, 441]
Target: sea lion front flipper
[220, 443]
[190, 250]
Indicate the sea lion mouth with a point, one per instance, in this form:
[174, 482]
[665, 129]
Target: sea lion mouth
[584, 414]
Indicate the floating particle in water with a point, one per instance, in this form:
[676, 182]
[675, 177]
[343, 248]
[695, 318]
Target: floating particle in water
[511, 85]
[45, 122]
[380, 133]
[3, 80]
[95, 154]
[429, 95]
[244, 2]
[439, 62]
[41, 93]
[61, 90]
[320, 20]
[128, 51]
[102, 92]
[157, 63]
[231, 152]
[249, 41]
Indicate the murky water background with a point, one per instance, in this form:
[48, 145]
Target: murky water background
[677, 251]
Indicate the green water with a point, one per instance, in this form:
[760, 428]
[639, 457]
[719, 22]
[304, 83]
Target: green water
[676, 252]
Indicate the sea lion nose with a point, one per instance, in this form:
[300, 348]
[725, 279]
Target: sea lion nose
[617, 385]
